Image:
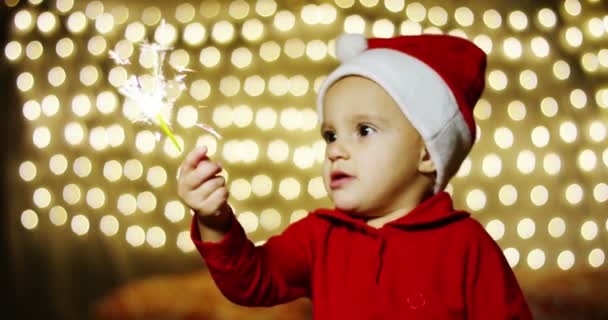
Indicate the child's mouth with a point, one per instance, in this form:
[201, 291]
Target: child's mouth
[338, 179]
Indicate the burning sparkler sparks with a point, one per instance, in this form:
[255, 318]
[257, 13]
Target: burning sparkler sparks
[153, 93]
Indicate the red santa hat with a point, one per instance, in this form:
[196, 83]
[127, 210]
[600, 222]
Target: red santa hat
[436, 80]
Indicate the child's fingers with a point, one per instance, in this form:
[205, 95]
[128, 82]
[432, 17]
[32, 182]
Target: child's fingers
[192, 159]
[214, 201]
[208, 187]
[203, 171]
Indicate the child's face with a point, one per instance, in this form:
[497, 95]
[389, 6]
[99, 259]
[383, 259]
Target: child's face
[370, 140]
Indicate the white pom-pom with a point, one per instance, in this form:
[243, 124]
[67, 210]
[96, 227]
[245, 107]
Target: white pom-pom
[350, 45]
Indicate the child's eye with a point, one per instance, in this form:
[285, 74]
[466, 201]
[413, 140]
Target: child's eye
[329, 136]
[364, 130]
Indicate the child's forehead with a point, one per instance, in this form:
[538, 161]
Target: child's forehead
[349, 115]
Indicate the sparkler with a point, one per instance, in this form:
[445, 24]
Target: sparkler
[155, 97]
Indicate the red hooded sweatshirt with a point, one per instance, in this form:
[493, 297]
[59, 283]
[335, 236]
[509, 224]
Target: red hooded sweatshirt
[433, 263]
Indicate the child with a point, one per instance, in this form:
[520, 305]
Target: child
[397, 119]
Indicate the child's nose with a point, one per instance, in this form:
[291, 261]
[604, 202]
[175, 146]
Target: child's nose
[337, 150]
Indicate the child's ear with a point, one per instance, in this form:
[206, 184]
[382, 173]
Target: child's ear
[425, 163]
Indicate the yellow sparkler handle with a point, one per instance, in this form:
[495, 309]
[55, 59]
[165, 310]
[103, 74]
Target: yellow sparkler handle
[167, 131]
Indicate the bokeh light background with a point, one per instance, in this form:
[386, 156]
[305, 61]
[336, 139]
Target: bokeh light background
[88, 182]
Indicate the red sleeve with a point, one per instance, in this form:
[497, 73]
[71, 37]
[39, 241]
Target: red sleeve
[492, 291]
[274, 273]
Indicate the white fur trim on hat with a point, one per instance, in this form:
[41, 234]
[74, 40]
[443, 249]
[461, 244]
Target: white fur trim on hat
[349, 46]
[423, 96]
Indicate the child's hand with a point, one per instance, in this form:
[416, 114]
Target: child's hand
[198, 184]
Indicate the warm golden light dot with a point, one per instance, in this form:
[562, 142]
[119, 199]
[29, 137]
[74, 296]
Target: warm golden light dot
[512, 48]
[507, 195]
[253, 30]
[602, 55]
[516, 110]
[556, 227]
[210, 57]
[383, 28]
[476, 199]
[31, 110]
[249, 221]
[222, 32]
[536, 259]
[151, 16]
[518, 20]
[82, 166]
[270, 51]
[74, 133]
[81, 105]
[50, 105]
[547, 18]
[146, 201]
[58, 215]
[600, 192]
[573, 7]
[291, 119]
[528, 79]
[94, 9]
[552, 164]
[597, 131]
[465, 168]
[56, 76]
[210, 8]
[539, 195]
[526, 162]
[327, 13]
[574, 194]
[27, 171]
[294, 48]
[98, 138]
[578, 98]
[179, 59]
[185, 12]
[195, 34]
[24, 20]
[270, 219]
[187, 116]
[157, 176]
[484, 42]
[589, 230]
[496, 229]
[243, 115]
[107, 102]
[58, 164]
[230, 86]
[265, 8]
[284, 20]
[369, 3]
[34, 50]
[77, 22]
[96, 198]
[120, 14]
[561, 70]
[25, 81]
[565, 260]
[464, 16]
[29, 219]
[240, 189]
[89, 75]
[117, 76]
[409, 27]
[316, 50]
[415, 12]
[497, 80]
[112, 170]
[540, 47]
[135, 31]
[492, 19]
[601, 97]
[109, 225]
[126, 204]
[587, 160]
[512, 256]
[104, 23]
[354, 24]
[596, 258]
[278, 85]
[80, 224]
[298, 85]
[13, 50]
[223, 116]
[156, 237]
[438, 16]
[540, 136]
[135, 236]
[238, 9]
[266, 118]
[41, 137]
[574, 37]
[595, 27]
[316, 188]
[241, 57]
[590, 62]
[145, 142]
[184, 243]
[200, 89]
[491, 165]
[71, 194]
[289, 188]
[549, 106]
[166, 34]
[297, 215]
[208, 141]
[278, 151]
[175, 211]
[310, 14]
[254, 85]
[568, 131]
[303, 157]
